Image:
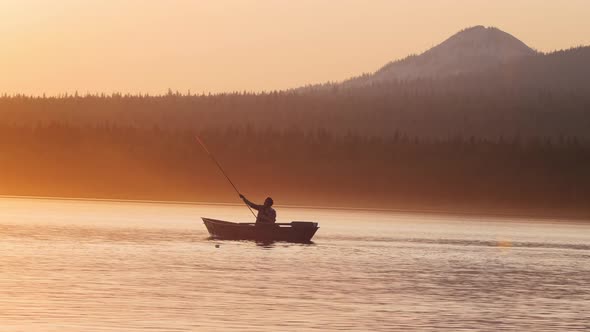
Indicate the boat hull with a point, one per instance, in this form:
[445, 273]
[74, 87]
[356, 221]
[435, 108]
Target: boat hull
[297, 231]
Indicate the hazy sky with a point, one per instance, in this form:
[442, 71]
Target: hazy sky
[56, 46]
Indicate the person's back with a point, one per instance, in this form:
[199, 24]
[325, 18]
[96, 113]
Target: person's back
[266, 214]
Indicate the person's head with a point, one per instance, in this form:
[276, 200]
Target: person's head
[268, 202]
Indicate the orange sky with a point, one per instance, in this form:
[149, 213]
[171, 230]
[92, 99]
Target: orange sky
[56, 46]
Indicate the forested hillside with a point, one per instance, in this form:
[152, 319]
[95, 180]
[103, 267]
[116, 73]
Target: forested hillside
[544, 96]
[296, 167]
[515, 139]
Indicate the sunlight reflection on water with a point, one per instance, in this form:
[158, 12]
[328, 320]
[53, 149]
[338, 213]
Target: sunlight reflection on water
[104, 266]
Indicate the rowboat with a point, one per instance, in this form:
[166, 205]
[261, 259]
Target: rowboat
[295, 231]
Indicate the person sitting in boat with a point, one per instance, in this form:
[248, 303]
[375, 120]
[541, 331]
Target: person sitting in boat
[266, 214]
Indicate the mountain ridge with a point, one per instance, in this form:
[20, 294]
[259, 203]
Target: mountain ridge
[471, 50]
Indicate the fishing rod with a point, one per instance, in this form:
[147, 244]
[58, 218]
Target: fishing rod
[222, 171]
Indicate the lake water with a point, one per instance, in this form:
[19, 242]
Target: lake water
[108, 266]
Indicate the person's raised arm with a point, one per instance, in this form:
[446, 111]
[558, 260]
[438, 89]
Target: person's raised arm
[250, 204]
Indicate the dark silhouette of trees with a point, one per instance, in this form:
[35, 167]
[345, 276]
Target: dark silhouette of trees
[515, 138]
[301, 167]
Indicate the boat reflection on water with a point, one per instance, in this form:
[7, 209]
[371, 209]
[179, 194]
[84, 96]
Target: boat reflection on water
[262, 244]
[268, 244]
[281, 244]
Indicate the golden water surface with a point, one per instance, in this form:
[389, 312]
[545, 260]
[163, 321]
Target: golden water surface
[109, 266]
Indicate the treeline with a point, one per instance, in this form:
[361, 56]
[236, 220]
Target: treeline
[542, 96]
[418, 112]
[543, 175]
[513, 138]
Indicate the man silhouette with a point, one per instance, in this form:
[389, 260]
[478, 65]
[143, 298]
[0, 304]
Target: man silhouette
[266, 214]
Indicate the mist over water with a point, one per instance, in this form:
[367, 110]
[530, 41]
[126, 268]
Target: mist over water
[108, 266]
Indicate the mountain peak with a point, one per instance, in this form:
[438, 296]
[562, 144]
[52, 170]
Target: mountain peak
[491, 41]
[473, 49]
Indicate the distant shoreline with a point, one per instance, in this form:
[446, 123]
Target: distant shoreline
[580, 217]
